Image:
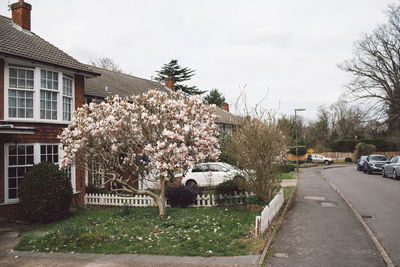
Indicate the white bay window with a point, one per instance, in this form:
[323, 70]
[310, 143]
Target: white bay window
[38, 94]
[20, 158]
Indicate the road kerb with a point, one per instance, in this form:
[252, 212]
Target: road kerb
[374, 239]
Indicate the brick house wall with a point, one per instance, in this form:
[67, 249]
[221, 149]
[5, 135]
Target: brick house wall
[44, 133]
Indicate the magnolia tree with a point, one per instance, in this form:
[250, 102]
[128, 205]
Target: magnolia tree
[132, 137]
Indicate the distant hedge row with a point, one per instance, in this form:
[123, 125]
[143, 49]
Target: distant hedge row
[348, 145]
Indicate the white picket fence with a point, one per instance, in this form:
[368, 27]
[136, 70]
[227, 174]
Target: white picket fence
[146, 201]
[268, 213]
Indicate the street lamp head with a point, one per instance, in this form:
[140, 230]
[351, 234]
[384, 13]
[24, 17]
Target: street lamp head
[299, 109]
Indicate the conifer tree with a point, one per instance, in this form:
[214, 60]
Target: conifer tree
[179, 75]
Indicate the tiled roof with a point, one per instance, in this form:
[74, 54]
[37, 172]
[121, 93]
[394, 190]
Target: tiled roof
[126, 85]
[14, 41]
[118, 84]
[227, 118]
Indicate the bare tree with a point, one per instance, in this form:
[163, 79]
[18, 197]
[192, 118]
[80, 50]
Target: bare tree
[349, 121]
[375, 68]
[107, 64]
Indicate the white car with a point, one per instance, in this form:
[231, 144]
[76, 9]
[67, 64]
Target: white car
[316, 158]
[210, 174]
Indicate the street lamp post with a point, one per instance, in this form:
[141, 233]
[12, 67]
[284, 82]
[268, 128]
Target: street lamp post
[295, 129]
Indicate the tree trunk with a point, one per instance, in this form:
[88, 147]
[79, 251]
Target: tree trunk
[161, 200]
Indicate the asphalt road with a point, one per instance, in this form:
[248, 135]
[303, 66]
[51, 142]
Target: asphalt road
[373, 195]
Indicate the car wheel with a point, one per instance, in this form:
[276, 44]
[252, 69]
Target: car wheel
[326, 162]
[394, 174]
[191, 183]
[383, 172]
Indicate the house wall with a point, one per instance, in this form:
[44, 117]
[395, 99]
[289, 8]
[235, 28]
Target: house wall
[44, 133]
[1, 89]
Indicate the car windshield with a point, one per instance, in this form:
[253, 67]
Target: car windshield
[363, 157]
[378, 158]
[228, 166]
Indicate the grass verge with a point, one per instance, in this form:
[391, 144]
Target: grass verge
[218, 231]
[290, 175]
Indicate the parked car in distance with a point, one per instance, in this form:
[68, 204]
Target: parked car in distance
[210, 174]
[392, 169]
[316, 158]
[374, 163]
[360, 163]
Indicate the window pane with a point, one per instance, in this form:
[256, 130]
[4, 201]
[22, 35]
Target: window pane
[12, 193]
[42, 83]
[13, 72]
[21, 113]
[21, 160]
[29, 84]
[12, 160]
[29, 113]
[21, 83]
[12, 112]
[12, 93]
[21, 73]
[12, 150]
[13, 83]
[12, 101]
[12, 172]
[29, 74]
[29, 160]
[12, 183]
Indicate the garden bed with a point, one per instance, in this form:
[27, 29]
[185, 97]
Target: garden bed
[217, 231]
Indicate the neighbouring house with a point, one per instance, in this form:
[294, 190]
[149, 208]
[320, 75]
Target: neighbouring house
[115, 83]
[40, 87]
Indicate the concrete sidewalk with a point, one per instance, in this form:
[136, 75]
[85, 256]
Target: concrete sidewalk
[321, 230]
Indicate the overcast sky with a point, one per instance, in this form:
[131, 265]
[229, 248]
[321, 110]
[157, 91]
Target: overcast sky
[286, 50]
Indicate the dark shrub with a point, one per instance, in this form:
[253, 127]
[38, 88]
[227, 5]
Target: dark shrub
[225, 190]
[181, 196]
[45, 193]
[256, 200]
[301, 150]
[91, 189]
[287, 168]
[348, 160]
[228, 187]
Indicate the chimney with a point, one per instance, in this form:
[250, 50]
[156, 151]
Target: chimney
[169, 82]
[225, 106]
[21, 14]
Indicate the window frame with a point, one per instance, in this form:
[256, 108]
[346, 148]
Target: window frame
[36, 92]
[36, 160]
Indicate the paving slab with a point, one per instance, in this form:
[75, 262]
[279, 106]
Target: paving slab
[321, 230]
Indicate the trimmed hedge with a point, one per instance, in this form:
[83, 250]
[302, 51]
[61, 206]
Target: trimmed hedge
[349, 145]
[348, 160]
[181, 196]
[45, 193]
[301, 151]
[287, 168]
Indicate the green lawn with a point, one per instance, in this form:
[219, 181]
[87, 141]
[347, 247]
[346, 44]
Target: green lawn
[219, 231]
[287, 176]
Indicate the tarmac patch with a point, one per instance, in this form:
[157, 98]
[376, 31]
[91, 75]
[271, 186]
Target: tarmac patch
[328, 204]
[314, 198]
